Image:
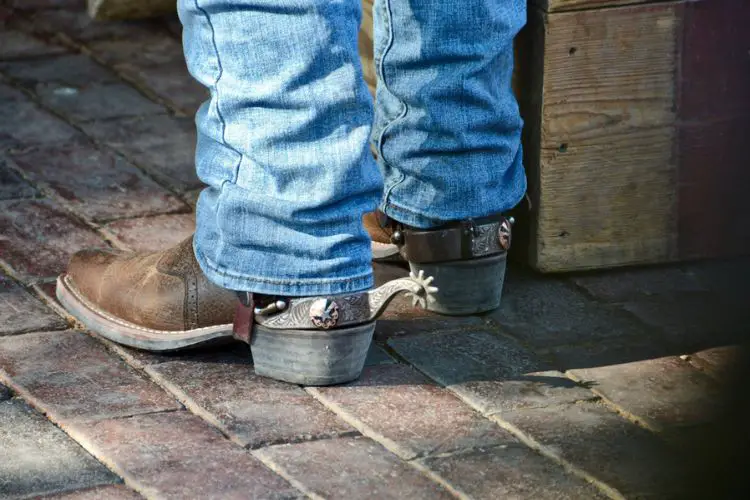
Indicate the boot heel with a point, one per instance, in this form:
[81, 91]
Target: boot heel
[466, 286]
[311, 357]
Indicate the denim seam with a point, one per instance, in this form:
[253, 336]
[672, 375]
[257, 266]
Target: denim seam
[381, 72]
[314, 281]
[215, 87]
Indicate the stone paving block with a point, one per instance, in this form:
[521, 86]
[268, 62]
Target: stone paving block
[151, 234]
[8, 93]
[95, 183]
[177, 455]
[32, 126]
[628, 284]
[78, 25]
[663, 392]
[509, 471]
[405, 412]
[171, 82]
[622, 350]
[71, 70]
[156, 48]
[377, 356]
[71, 376]
[695, 321]
[113, 492]
[728, 279]
[720, 362]
[46, 4]
[97, 102]
[39, 238]
[141, 359]
[350, 467]
[22, 312]
[155, 61]
[491, 373]
[17, 44]
[12, 186]
[606, 446]
[37, 458]
[545, 312]
[164, 145]
[254, 411]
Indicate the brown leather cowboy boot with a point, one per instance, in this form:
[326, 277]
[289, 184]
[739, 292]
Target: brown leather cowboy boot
[162, 301]
[383, 249]
[157, 301]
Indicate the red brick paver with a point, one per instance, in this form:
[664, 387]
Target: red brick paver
[39, 238]
[21, 312]
[254, 411]
[354, 467]
[71, 376]
[94, 183]
[397, 406]
[116, 492]
[177, 455]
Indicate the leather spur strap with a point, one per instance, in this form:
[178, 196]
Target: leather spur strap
[462, 240]
[244, 317]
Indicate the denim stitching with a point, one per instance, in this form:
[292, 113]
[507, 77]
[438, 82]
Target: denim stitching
[215, 88]
[381, 73]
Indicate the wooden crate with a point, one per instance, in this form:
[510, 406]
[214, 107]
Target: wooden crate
[636, 119]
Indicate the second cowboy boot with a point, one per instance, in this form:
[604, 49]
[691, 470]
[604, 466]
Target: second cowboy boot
[467, 258]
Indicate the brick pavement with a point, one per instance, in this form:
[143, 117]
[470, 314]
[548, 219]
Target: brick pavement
[587, 386]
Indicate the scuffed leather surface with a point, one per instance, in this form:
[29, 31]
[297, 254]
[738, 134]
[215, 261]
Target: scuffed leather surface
[161, 291]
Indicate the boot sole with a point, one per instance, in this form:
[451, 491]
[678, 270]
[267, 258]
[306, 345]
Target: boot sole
[311, 357]
[126, 333]
[466, 286]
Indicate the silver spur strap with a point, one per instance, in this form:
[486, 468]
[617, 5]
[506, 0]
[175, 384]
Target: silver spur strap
[322, 313]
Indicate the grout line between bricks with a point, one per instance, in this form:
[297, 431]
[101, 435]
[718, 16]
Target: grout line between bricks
[70, 431]
[366, 430]
[456, 492]
[401, 452]
[610, 491]
[271, 465]
[96, 223]
[544, 451]
[82, 48]
[99, 145]
[616, 408]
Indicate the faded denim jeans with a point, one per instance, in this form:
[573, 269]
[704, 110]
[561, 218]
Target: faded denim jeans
[283, 139]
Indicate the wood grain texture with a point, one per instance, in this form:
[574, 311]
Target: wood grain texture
[565, 5]
[607, 171]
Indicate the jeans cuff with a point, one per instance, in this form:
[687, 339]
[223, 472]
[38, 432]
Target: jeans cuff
[303, 287]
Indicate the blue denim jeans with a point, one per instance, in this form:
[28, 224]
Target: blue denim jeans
[283, 139]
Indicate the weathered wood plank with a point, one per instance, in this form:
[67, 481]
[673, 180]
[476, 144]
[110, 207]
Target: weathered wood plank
[129, 9]
[607, 173]
[565, 5]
